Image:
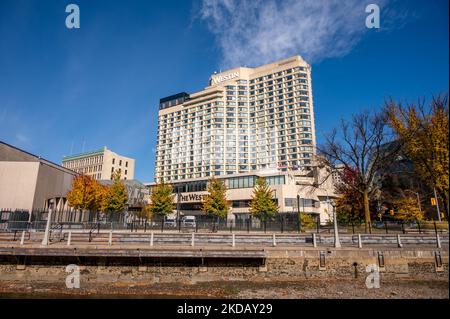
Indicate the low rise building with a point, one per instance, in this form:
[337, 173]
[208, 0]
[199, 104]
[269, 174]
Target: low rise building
[100, 164]
[28, 182]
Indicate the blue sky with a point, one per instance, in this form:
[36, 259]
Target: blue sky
[100, 85]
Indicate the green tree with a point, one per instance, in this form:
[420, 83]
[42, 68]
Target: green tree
[216, 203]
[262, 203]
[116, 196]
[161, 199]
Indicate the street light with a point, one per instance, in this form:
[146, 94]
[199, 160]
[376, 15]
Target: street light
[418, 198]
[337, 242]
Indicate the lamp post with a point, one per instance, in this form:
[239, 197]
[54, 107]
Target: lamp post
[418, 199]
[337, 242]
[47, 227]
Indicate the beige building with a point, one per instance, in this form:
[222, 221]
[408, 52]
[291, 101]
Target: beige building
[29, 182]
[247, 119]
[247, 123]
[100, 164]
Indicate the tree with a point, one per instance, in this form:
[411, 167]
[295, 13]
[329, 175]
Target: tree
[349, 203]
[216, 203]
[161, 199]
[262, 204]
[360, 146]
[86, 193]
[424, 133]
[407, 209]
[116, 195]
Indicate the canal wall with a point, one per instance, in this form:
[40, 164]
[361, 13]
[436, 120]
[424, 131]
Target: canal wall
[277, 265]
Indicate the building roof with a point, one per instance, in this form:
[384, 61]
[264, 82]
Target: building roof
[85, 154]
[10, 153]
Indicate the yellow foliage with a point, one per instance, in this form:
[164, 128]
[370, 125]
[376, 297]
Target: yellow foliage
[407, 209]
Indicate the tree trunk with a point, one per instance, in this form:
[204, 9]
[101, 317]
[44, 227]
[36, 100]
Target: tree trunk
[366, 210]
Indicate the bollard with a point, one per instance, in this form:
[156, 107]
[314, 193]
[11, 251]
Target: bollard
[69, 238]
[314, 240]
[110, 238]
[193, 239]
[151, 239]
[233, 241]
[274, 240]
[22, 239]
[438, 241]
[359, 241]
[399, 241]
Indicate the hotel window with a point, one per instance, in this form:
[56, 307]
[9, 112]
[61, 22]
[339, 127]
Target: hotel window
[114, 160]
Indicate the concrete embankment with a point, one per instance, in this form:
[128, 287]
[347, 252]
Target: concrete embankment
[190, 266]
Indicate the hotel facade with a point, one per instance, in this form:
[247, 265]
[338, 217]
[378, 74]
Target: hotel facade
[248, 122]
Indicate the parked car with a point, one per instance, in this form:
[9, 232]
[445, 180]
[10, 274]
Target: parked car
[170, 223]
[188, 221]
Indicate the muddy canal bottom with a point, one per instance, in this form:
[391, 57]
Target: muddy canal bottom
[307, 289]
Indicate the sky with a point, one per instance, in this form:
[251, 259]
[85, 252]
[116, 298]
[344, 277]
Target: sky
[64, 91]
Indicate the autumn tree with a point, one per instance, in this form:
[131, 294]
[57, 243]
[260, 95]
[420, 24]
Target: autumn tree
[262, 204]
[161, 199]
[424, 135]
[215, 203]
[349, 202]
[360, 145]
[86, 194]
[116, 195]
[408, 209]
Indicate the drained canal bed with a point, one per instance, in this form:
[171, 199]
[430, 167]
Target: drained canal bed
[304, 289]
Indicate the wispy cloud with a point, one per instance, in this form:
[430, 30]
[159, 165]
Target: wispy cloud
[251, 32]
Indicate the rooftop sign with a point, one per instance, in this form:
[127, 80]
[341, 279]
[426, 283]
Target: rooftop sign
[221, 78]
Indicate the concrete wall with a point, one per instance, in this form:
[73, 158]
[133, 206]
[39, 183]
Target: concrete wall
[51, 183]
[281, 265]
[18, 184]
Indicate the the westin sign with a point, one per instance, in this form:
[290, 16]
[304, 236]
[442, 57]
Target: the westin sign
[221, 78]
[192, 197]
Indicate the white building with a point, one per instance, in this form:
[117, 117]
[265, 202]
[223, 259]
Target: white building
[248, 122]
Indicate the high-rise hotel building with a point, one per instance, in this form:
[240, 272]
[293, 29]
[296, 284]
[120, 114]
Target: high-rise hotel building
[246, 119]
[247, 123]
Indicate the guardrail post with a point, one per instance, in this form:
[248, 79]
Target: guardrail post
[359, 241]
[314, 240]
[274, 240]
[435, 228]
[418, 226]
[438, 241]
[248, 225]
[233, 240]
[386, 226]
[151, 239]
[23, 238]
[110, 238]
[69, 238]
[193, 239]
[399, 242]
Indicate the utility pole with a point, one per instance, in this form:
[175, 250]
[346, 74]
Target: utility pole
[337, 243]
[437, 204]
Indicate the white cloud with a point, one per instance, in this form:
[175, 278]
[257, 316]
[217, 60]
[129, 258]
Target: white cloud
[252, 32]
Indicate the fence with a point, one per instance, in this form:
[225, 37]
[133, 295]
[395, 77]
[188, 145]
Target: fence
[14, 221]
